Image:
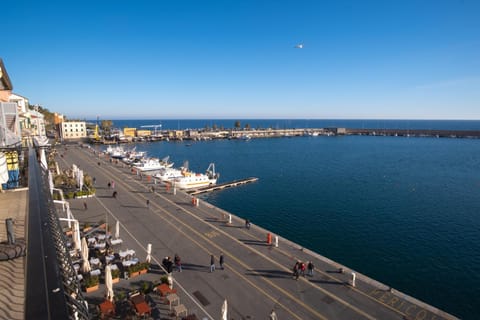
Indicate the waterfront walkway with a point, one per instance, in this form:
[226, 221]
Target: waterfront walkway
[257, 277]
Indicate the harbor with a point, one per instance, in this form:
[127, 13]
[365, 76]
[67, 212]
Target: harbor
[257, 277]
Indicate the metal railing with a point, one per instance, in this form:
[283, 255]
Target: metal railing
[52, 289]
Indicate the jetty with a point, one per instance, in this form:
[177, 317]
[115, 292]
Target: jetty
[222, 186]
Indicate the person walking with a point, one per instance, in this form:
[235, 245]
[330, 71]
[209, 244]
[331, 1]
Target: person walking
[296, 272]
[212, 263]
[247, 224]
[302, 268]
[148, 203]
[221, 261]
[178, 262]
[273, 315]
[94, 180]
[310, 268]
[85, 205]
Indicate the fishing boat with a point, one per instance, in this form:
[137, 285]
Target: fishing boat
[116, 152]
[169, 174]
[192, 180]
[151, 164]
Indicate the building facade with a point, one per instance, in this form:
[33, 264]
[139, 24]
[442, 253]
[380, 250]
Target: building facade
[73, 130]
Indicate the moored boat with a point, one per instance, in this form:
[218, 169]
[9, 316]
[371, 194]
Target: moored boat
[192, 180]
[151, 164]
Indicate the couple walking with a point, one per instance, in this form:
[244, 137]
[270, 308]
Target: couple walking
[212, 262]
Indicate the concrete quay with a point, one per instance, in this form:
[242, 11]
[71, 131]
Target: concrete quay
[257, 277]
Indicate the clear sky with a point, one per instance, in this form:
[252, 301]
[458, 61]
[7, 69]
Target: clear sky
[385, 59]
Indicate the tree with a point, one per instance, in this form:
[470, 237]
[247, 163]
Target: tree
[247, 126]
[238, 125]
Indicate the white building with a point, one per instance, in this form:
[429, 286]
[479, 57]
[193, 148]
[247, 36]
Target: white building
[73, 130]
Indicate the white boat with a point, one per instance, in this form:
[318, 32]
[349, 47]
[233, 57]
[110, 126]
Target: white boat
[151, 164]
[116, 152]
[132, 155]
[169, 174]
[192, 180]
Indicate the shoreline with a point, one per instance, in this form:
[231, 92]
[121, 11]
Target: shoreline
[377, 291]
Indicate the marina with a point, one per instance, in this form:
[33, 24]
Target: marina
[208, 228]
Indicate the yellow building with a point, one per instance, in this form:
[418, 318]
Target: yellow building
[144, 133]
[129, 132]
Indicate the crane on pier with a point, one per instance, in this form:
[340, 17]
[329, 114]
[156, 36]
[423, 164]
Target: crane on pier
[155, 126]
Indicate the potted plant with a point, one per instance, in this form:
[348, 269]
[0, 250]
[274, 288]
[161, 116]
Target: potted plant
[143, 267]
[91, 283]
[115, 275]
[133, 270]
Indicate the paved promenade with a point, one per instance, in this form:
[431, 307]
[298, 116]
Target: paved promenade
[257, 277]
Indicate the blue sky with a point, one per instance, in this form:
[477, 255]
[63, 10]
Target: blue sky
[237, 59]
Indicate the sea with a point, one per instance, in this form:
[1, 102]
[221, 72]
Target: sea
[402, 210]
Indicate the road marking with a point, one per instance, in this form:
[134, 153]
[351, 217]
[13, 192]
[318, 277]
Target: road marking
[128, 187]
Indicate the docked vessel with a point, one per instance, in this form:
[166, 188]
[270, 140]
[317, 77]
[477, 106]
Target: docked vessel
[168, 174]
[192, 180]
[151, 164]
[116, 152]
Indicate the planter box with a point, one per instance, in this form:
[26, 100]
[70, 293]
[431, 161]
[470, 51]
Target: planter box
[115, 280]
[91, 289]
[134, 274]
[143, 271]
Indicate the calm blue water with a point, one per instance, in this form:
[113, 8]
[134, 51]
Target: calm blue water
[404, 211]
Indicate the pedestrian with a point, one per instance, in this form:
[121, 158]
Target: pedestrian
[94, 180]
[310, 268]
[148, 203]
[113, 184]
[303, 268]
[114, 194]
[273, 315]
[221, 261]
[85, 205]
[178, 262]
[296, 272]
[212, 263]
[247, 224]
[109, 185]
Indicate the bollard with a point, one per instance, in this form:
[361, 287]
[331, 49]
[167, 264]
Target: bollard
[230, 219]
[10, 231]
[276, 241]
[353, 279]
[269, 238]
[197, 202]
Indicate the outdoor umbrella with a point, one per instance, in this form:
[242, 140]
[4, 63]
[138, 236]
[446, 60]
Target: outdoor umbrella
[85, 265]
[224, 310]
[108, 283]
[149, 253]
[117, 230]
[76, 236]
